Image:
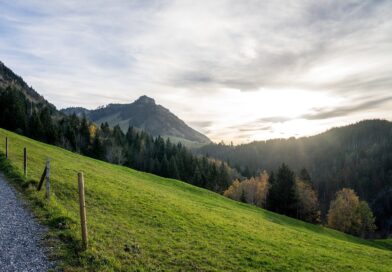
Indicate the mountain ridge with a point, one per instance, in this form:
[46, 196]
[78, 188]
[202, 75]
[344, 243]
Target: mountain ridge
[9, 79]
[143, 114]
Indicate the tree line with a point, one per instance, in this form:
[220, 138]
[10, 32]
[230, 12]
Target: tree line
[294, 195]
[283, 192]
[358, 156]
[136, 148]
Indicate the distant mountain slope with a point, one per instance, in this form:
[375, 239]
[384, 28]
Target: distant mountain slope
[79, 111]
[144, 114]
[357, 156]
[9, 79]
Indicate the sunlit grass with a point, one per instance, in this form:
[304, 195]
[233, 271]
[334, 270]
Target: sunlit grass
[141, 222]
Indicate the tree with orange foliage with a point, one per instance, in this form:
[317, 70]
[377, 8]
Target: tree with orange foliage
[252, 191]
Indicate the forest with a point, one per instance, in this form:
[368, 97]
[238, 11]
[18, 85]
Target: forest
[136, 149]
[357, 156]
[294, 195]
[239, 172]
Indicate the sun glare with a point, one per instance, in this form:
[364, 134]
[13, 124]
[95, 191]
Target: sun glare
[276, 112]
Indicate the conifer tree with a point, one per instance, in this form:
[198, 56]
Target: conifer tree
[173, 170]
[282, 196]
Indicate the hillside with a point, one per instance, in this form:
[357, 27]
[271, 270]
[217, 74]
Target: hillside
[9, 79]
[141, 222]
[358, 156]
[144, 114]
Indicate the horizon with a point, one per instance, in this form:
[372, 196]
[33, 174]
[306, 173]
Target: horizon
[299, 70]
[232, 142]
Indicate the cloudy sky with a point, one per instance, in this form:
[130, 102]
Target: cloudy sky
[235, 70]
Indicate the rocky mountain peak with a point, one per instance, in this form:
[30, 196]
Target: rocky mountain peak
[144, 99]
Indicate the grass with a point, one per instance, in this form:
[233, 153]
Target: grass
[141, 222]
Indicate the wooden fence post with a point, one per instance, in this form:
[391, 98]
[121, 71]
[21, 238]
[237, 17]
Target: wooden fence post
[25, 162]
[83, 220]
[47, 184]
[6, 147]
[41, 181]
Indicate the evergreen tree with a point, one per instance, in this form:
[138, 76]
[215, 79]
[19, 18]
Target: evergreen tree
[36, 130]
[13, 105]
[164, 167]
[273, 195]
[247, 173]
[105, 129]
[84, 136]
[282, 194]
[173, 170]
[197, 178]
[98, 150]
[118, 135]
[224, 178]
[213, 177]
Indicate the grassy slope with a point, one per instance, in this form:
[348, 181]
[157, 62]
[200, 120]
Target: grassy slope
[170, 225]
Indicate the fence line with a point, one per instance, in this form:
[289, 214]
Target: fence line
[46, 176]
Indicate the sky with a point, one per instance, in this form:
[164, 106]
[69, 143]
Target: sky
[234, 70]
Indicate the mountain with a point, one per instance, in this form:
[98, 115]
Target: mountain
[144, 114]
[358, 156]
[143, 222]
[79, 111]
[8, 79]
[136, 148]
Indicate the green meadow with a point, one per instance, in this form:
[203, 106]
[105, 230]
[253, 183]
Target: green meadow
[142, 222]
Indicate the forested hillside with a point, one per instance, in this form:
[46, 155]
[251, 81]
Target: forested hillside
[146, 115]
[9, 79]
[38, 119]
[358, 156]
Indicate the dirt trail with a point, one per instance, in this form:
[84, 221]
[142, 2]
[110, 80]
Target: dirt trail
[20, 235]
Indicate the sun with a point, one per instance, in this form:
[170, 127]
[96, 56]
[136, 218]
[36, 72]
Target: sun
[268, 112]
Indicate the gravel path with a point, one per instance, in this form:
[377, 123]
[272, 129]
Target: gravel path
[20, 235]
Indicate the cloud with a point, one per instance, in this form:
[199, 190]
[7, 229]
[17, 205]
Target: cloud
[345, 110]
[255, 128]
[201, 124]
[187, 53]
[275, 119]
